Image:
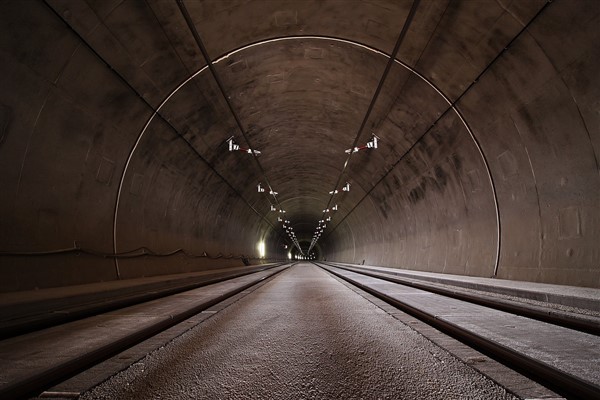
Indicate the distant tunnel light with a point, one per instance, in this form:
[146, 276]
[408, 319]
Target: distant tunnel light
[289, 255]
[261, 249]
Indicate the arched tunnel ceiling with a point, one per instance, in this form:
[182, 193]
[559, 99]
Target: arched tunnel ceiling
[301, 90]
[479, 94]
[301, 99]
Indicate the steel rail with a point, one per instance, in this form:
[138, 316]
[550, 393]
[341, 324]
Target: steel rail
[560, 318]
[42, 319]
[39, 381]
[557, 380]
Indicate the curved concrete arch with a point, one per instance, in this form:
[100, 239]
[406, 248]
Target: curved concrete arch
[451, 106]
[488, 164]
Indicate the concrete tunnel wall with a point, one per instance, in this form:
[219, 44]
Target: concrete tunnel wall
[487, 164]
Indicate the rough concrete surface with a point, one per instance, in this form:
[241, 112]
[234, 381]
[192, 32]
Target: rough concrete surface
[113, 137]
[303, 335]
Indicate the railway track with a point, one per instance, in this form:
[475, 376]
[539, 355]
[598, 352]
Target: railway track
[566, 319]
[560, 353]
[67, 349]
[25, 318]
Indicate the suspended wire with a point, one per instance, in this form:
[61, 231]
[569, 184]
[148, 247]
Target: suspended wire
[386, 71]
[142, 251]
[219, 82]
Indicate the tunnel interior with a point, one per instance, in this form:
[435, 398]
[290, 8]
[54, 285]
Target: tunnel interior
[143, 138]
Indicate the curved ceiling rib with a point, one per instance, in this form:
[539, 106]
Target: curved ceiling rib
[234, 114]
[452, 105]
[401, 35]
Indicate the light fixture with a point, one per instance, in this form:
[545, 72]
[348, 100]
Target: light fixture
[334, 192]
[260, 188]
[261, 249]
[372, 144]
[346, 187]
[236, 147]
[232, 145]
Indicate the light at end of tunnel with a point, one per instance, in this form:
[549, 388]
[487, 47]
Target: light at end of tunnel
[261, 249]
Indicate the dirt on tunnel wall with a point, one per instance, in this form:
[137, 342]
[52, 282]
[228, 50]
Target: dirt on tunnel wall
[113, 137]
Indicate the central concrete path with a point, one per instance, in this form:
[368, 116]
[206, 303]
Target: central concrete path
[303, 335]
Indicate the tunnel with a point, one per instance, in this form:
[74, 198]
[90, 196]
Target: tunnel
[145, 138]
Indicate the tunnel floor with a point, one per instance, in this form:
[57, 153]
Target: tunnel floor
[304, 334]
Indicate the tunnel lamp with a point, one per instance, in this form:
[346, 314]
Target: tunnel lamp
[273, 208]
[261, 249]
[334, 192]
[233, 146]
[273, 193]
[346, 187]
[334, 208]
[260, 188]
[279, 219]
[328, 219]
[326, 210]
[372, 144]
